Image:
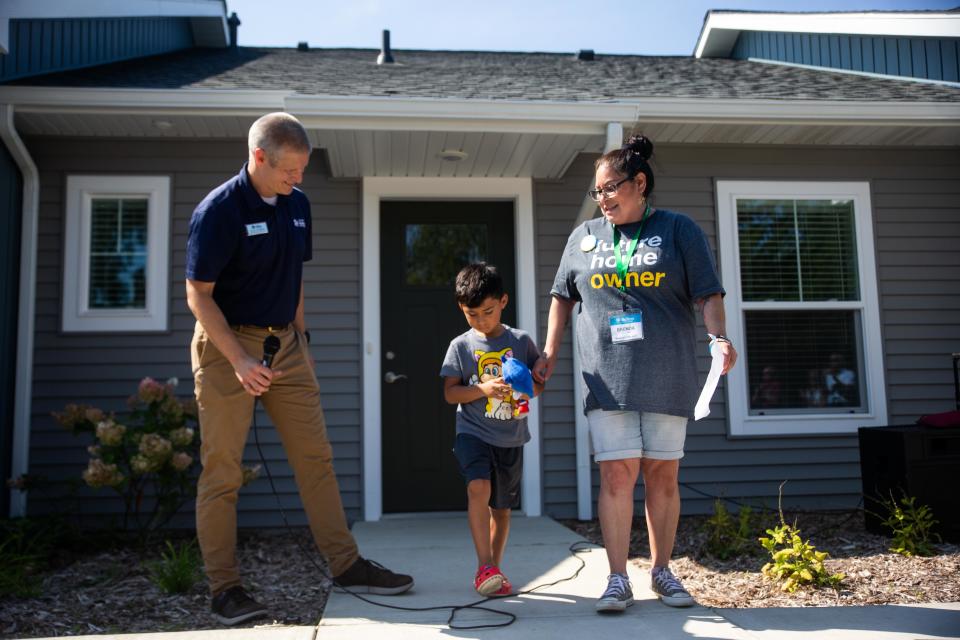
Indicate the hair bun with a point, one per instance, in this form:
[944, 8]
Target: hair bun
[641, 145]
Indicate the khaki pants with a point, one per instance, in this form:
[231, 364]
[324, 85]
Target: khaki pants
[226, 411]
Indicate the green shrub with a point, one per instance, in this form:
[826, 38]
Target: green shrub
[912, 527]
[178, 568]
[795, 562]
[25, 549]
[727, 538]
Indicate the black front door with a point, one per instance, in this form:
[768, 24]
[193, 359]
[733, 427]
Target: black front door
[423, 246]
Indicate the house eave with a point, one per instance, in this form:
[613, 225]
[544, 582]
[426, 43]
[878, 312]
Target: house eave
[389, 112]
[720, 29]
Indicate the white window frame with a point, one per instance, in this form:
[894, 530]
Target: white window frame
[740, 421]
[77, 315]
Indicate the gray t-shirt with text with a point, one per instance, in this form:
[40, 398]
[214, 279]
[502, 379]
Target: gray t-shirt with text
[672, 268]
[473, 358]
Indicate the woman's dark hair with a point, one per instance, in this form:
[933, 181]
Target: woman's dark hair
[477, 282]
[630, 159]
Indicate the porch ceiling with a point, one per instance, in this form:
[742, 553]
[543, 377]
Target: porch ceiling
[493, 149]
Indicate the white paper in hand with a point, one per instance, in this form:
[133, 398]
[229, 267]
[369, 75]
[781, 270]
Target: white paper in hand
[702, 410]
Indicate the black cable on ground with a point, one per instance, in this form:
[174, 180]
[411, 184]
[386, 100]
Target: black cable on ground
[575, 549]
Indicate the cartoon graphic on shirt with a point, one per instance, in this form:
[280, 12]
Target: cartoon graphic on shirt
[490, 366]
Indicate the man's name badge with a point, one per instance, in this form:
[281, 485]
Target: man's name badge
[257, 229]
[626, 326]
[589, 243]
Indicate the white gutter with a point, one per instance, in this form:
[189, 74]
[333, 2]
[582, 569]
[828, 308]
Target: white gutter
[25, 317]
[587, 117]
[584, 477]
[720, 29]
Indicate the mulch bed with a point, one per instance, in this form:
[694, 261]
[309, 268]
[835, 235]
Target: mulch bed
[874, 574]
[110, 591]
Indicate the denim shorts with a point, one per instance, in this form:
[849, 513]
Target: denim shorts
[618, 435]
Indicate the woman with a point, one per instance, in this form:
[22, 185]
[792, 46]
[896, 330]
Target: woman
[637, 273]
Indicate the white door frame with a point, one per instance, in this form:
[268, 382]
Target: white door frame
[520, 192]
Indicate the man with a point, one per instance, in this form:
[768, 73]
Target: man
[247, 244]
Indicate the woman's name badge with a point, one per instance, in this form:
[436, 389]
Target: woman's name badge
[589, 243]
[626, 326]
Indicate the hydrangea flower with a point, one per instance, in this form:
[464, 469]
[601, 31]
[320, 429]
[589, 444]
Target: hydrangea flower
[155, 447]
[141, 464]
[109, 433]
[181, 437]
[181, 461]
[100, 474]
[151, 391]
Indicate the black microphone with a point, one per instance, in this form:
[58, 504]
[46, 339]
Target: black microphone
[271, 344]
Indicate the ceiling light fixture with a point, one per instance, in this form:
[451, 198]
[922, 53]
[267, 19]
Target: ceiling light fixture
[452, 155]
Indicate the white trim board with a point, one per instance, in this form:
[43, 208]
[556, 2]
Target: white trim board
[740, 422]
[720, 29]
[518, 190]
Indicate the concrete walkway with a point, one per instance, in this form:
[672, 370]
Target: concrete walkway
[439, 553]
[437, 550]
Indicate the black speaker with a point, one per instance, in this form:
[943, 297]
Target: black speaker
[916, 461]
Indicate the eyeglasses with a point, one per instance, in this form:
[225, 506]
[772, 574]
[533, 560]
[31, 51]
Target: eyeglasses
[609, 190]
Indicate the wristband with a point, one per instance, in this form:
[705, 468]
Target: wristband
[719, 338]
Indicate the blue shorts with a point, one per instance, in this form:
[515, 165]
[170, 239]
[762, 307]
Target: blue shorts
[502, 466]
[619, 435]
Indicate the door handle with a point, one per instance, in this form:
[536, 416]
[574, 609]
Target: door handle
[390, 377]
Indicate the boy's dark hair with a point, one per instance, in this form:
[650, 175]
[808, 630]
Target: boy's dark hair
[477, 282]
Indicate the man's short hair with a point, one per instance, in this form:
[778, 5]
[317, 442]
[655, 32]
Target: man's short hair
[275, 131]
[477, 282]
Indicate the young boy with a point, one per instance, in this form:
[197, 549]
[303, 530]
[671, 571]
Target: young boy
[490, 437]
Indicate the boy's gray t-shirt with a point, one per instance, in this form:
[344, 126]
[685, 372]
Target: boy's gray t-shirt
[474, 358]
[672, 268]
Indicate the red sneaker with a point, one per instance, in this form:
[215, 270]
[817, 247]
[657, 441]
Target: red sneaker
[488, 580]
[506, 589]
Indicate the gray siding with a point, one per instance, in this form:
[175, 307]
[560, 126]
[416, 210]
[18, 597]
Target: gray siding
[104, 369]
[917, 229]
[930, 58]
[40, 46]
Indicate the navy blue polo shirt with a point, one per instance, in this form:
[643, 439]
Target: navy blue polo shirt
[253, 251]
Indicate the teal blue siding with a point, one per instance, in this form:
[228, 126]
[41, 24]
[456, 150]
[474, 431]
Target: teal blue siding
[50, 45]
[930, 58]
[10, 204]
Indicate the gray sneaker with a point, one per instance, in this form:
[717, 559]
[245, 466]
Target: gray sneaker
[235, 605]
[618, 595]
[669, 589]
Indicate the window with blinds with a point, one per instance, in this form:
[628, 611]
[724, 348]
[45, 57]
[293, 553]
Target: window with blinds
[118, 253]
[800, 251]
[797, 260]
